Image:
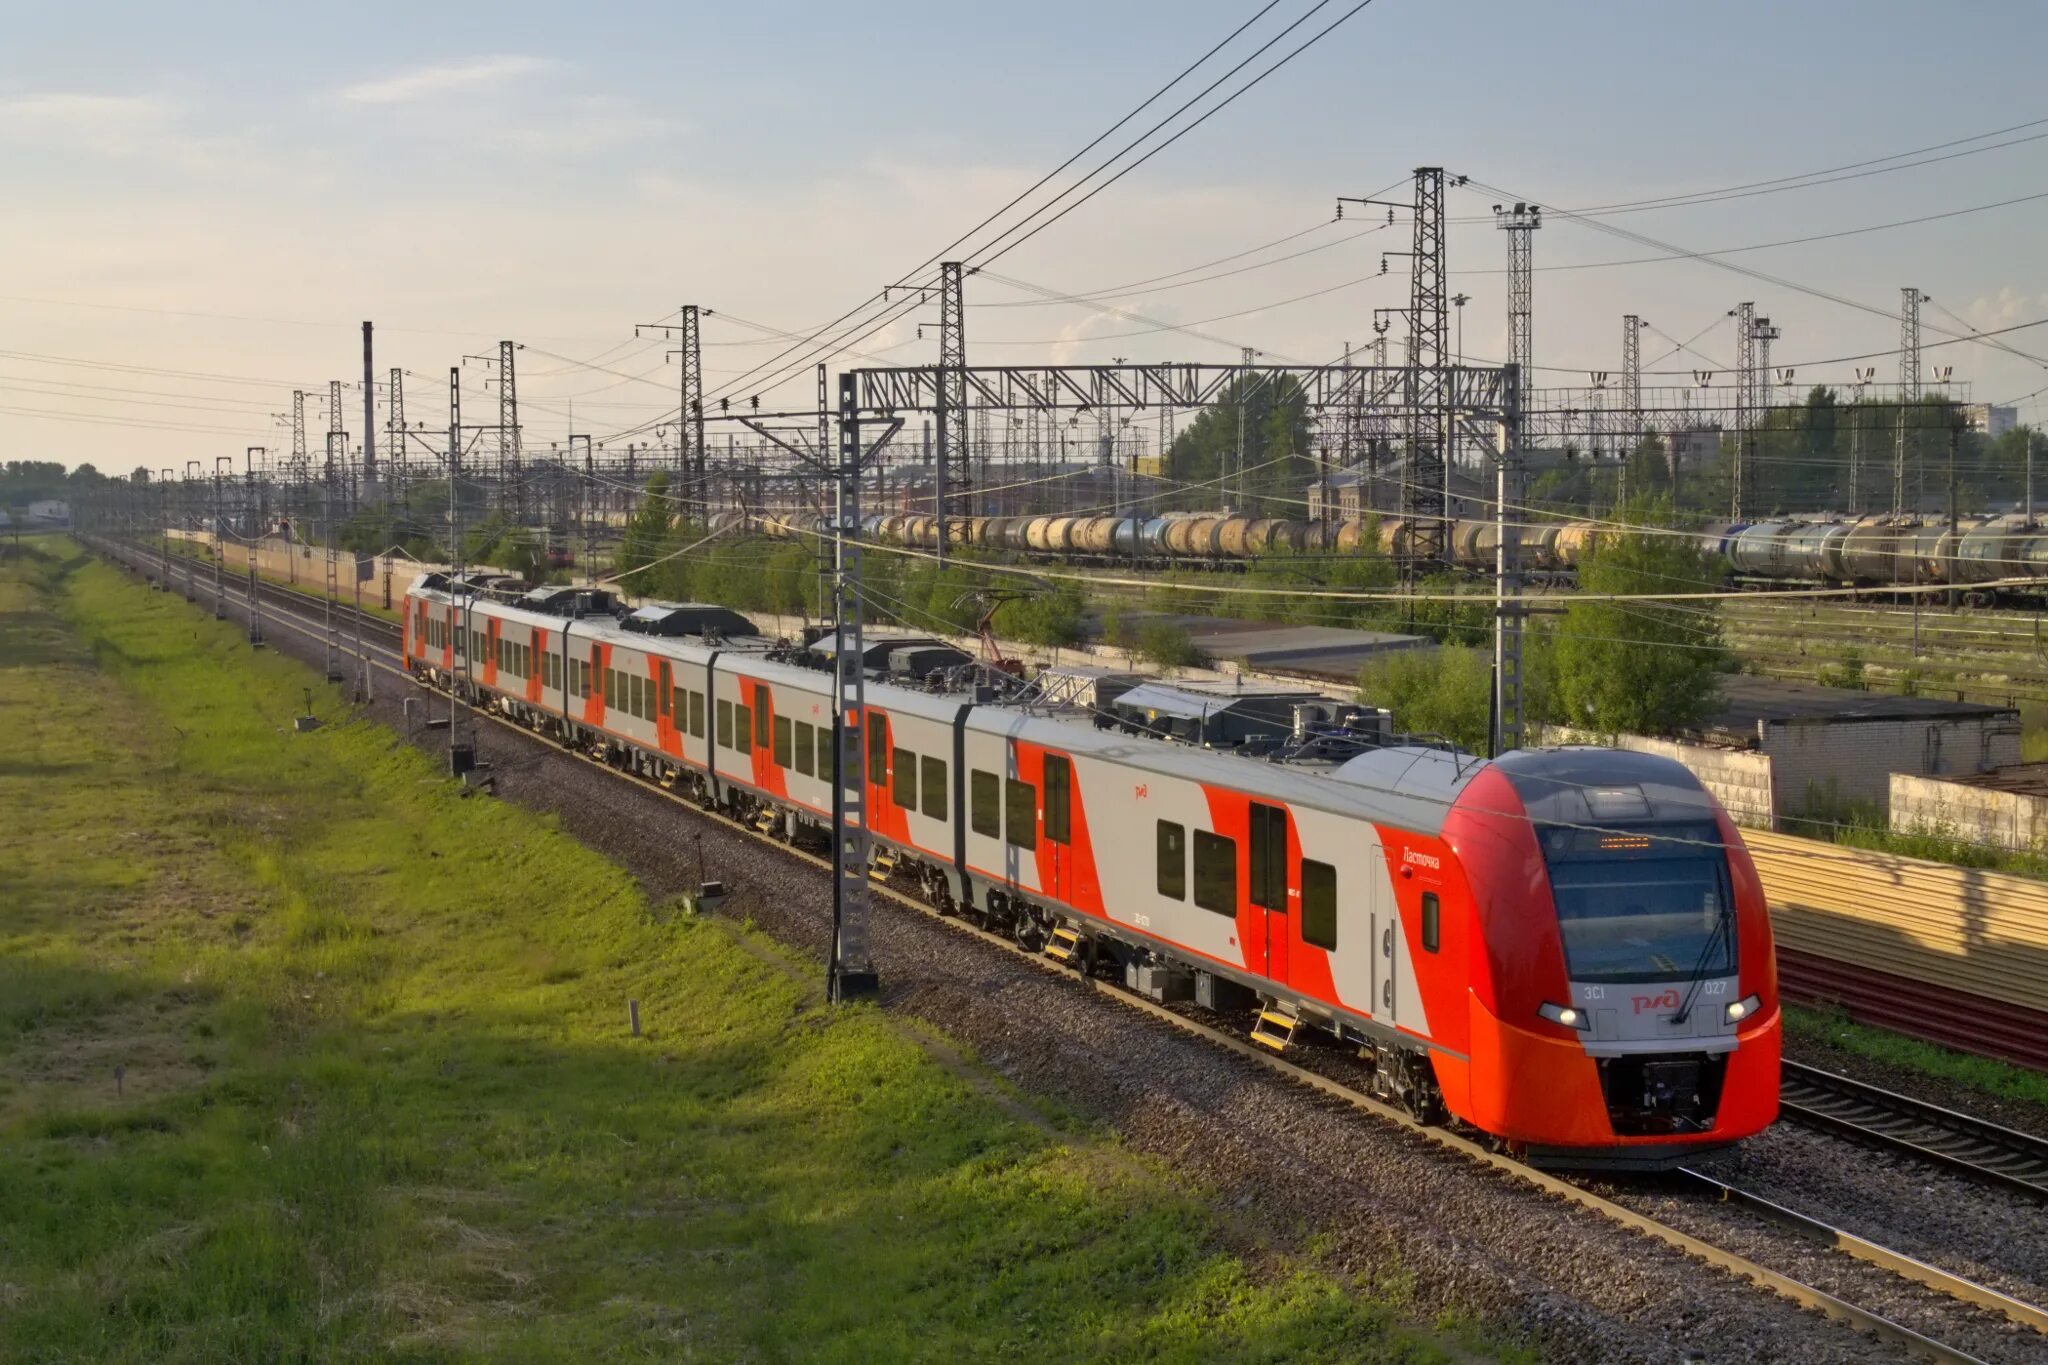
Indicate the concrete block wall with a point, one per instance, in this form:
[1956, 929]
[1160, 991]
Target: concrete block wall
[1854, 761]
[1738, 778]
[1930, 805]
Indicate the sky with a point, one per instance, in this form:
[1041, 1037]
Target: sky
[204, 202]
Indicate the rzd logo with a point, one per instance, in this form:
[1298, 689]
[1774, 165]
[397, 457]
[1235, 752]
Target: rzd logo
[1666, 1001]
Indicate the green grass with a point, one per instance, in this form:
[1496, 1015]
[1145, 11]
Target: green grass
[1833, 1028]
[378, 1099]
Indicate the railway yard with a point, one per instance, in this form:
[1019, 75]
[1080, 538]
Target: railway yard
[1838, 1210]
[1267, 755]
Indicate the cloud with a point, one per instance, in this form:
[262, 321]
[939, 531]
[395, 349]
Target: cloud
[110, 124]
[2007, 306]
[442, 78]
[150, 131]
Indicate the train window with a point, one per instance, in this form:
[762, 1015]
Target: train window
[1432, 927]
[1318, 904]
[679, 706]
[805, 737]
[878, 748]
[783, 740]
[762, 715]
[934, 788]
[1173, 860]
[1020, 814]
[724, 724]
[697, 715]
[1215, 872]
[1059, 781]
[635, 698]
[903, 769]
[985, 802]
[743, 729]
[1269, 856]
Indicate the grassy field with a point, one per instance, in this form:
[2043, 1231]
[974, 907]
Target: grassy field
[304, 1056]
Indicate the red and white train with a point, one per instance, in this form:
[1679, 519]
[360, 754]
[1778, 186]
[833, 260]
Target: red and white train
[1565, 948]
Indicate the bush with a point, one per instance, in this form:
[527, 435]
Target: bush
[1168, 645]
[1847, 672]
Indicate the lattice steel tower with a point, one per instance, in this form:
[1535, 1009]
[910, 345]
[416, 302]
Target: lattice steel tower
[508, 429]
[394, 418]
[333, 427]
[1746, 376]
[1519, 223]
[952, 474]
[1631, 376]
[1425, 492]
[1909, 389]
[690, 454]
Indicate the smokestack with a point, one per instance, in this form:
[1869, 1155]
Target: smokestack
[369, 417]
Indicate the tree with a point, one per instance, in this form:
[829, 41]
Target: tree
[1446, 691]
[1276, 437]
[1640, 667]
[647, 531]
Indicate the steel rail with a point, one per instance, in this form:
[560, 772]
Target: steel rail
[1959, 1142]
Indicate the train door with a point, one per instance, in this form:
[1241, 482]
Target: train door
[1386, 948]
[1055, 858]
[1268, 885]
[664, 707]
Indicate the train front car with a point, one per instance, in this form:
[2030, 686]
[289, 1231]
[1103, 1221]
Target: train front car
[1624, 1006]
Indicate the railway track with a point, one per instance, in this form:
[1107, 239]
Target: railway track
[1899, 1123]
[304, 614]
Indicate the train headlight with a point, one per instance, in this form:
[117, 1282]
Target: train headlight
[1569, 1015]
[1743, 1008]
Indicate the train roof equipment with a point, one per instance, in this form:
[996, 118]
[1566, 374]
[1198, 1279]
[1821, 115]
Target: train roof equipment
[560, 599]
[673, 619]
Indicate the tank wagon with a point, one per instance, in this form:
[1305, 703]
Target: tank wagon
[1871, 552]
[1567, 949]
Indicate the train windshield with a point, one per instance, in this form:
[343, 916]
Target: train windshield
[1642, 905]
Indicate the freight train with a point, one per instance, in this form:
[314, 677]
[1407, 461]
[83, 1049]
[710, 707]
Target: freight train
[1567, 949]
[1874, 552]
